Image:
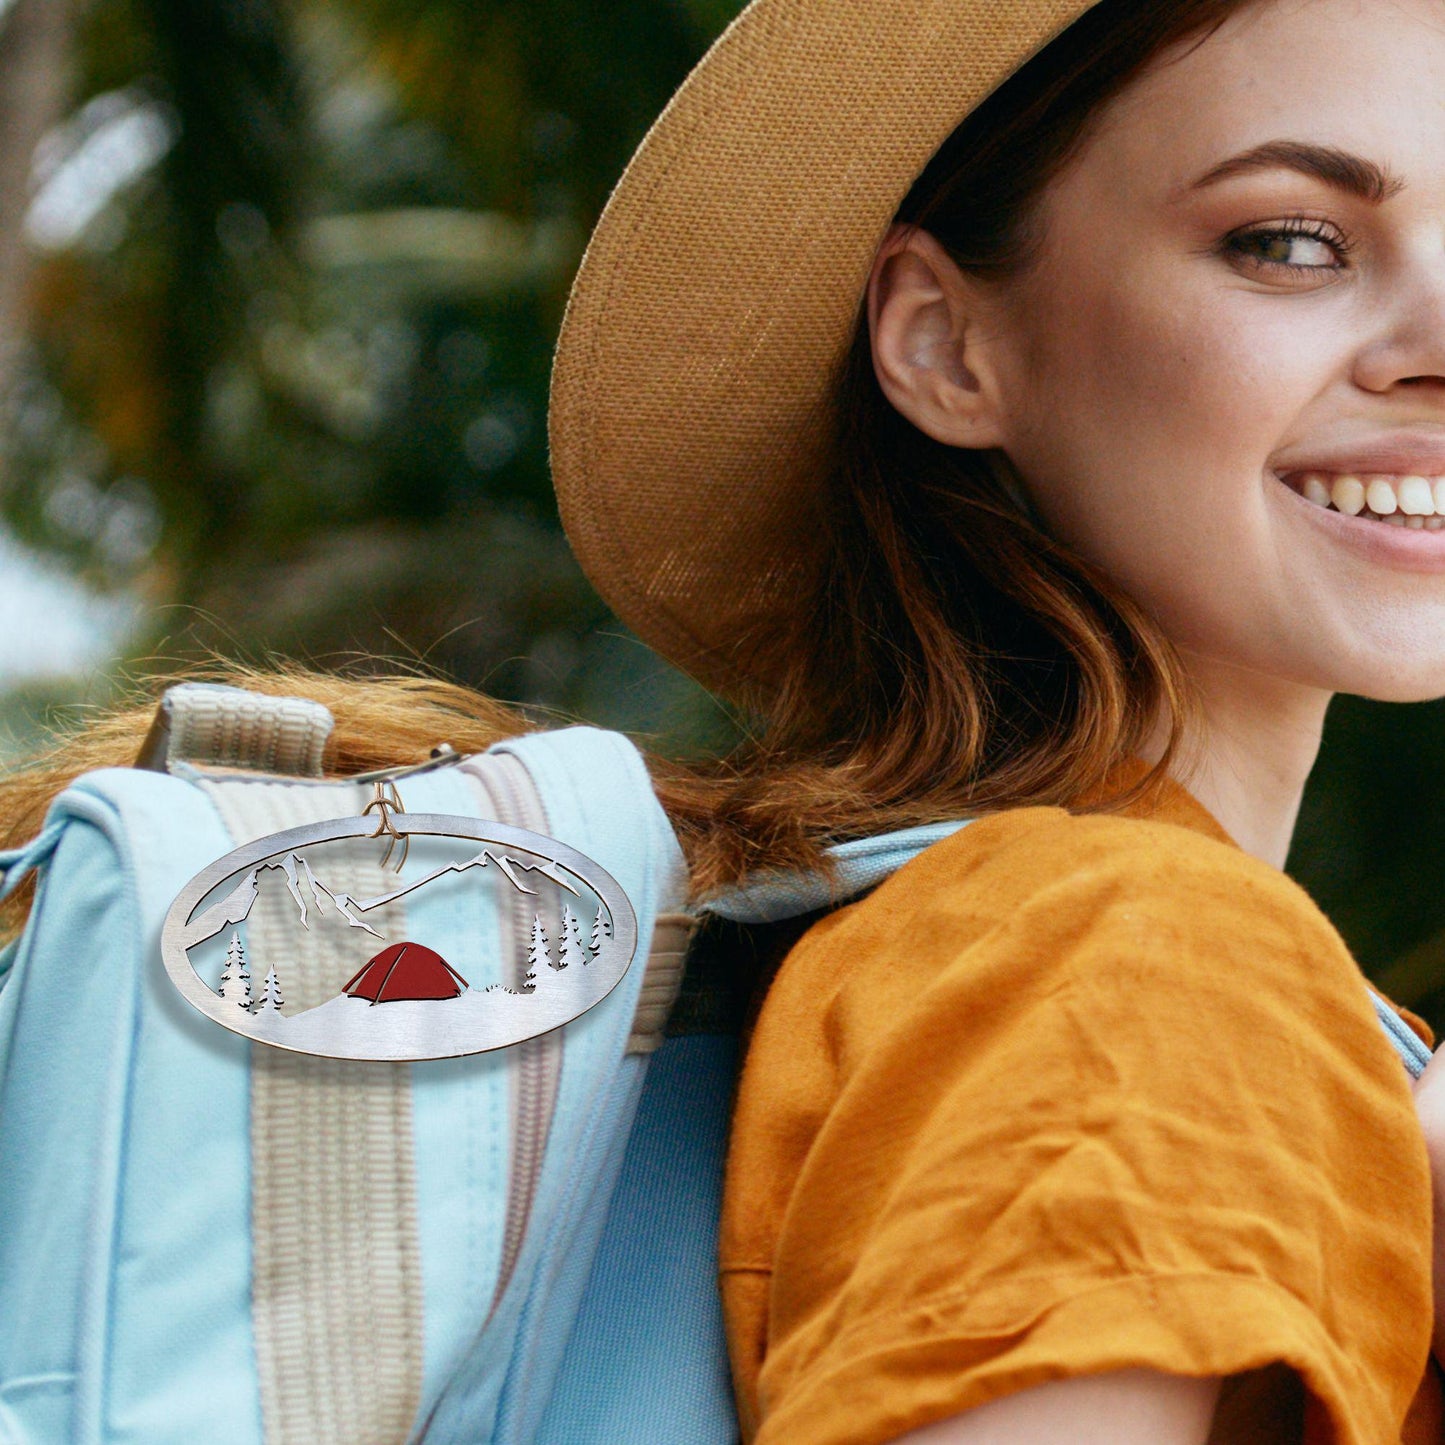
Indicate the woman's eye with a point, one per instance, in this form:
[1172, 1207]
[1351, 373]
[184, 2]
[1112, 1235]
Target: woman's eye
[1291, 249]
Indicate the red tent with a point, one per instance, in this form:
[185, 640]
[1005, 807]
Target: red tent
[406, 971]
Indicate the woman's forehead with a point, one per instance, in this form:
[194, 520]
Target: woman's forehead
[1362, 76]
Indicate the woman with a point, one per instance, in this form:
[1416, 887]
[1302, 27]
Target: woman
[1080, 1128]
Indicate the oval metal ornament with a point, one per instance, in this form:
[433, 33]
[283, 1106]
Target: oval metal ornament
[406, 1002]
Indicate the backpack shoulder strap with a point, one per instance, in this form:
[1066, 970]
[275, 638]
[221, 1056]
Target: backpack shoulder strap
[859, 865]
[1413, 1052]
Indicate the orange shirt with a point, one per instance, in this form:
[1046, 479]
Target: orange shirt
[1070, 1094]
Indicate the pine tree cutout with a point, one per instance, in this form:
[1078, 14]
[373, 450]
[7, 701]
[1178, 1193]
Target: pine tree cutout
[601, 931]
[271, 999]
[573, 949]
[539, 954]
[236, 976]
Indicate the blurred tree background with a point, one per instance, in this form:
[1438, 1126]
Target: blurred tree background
[274, 371]
[297, 269]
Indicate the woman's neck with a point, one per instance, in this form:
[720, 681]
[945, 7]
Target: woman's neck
[1258, 738]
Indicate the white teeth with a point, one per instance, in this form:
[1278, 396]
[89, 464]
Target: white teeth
[1348, 495]
[1414, 501]
[1416, 498]
[1381, 497]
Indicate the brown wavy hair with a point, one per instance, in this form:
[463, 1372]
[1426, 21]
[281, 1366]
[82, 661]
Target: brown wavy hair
[952, 659]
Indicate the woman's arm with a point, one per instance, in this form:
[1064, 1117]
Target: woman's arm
[1430, 1105]
[1127, 1407]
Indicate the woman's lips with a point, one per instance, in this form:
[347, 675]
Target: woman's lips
[1399, 540]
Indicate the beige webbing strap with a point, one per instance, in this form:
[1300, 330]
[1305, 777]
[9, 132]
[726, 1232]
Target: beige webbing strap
[671, 935]
[336, 1268]
[225, 727]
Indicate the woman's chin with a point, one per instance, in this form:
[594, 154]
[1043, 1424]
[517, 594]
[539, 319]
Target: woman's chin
[1385, 678]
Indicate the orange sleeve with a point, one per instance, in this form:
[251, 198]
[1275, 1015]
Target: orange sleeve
[1121, 1102]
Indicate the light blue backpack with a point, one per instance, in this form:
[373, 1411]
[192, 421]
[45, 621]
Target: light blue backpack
[209, 1239]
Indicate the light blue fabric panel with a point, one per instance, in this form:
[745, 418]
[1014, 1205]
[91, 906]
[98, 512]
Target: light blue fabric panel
[180, 1362]
[599, 798]
[65, 1033]
[119, 1179]
[860, 864]
[568, 1236]
[494, 1394]
[460, 1118]
[647, 1362]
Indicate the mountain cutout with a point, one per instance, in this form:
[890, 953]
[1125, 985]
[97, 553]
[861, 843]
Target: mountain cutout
[303, 884]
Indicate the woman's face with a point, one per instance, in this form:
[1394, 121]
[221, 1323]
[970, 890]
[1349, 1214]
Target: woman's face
[1239, 307]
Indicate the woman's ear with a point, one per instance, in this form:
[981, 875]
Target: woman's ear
[931, 350]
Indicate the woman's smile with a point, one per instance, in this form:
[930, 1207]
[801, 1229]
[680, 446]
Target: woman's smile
[1392, 480]
[1370, 516]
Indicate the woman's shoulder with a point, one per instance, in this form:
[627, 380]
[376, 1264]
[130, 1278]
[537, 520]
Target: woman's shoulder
[1096, 869]
[1115, 911]
[1017, 853]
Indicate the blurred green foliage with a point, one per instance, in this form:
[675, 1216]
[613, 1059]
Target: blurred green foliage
[302, 266]
[1370, 841]
[288, 369]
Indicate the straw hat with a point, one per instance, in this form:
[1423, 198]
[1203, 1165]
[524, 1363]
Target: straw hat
[690, 418]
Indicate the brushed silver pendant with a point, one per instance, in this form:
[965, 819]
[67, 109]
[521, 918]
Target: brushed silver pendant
[404, 1001]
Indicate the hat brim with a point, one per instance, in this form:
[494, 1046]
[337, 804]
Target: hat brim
[690, 417]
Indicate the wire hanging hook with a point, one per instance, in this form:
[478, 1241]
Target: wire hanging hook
[386, 801]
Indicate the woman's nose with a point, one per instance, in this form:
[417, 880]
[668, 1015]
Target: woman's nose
[1408, 349]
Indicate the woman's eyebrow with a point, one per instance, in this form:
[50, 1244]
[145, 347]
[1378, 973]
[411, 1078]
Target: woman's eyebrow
[1345, 172]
